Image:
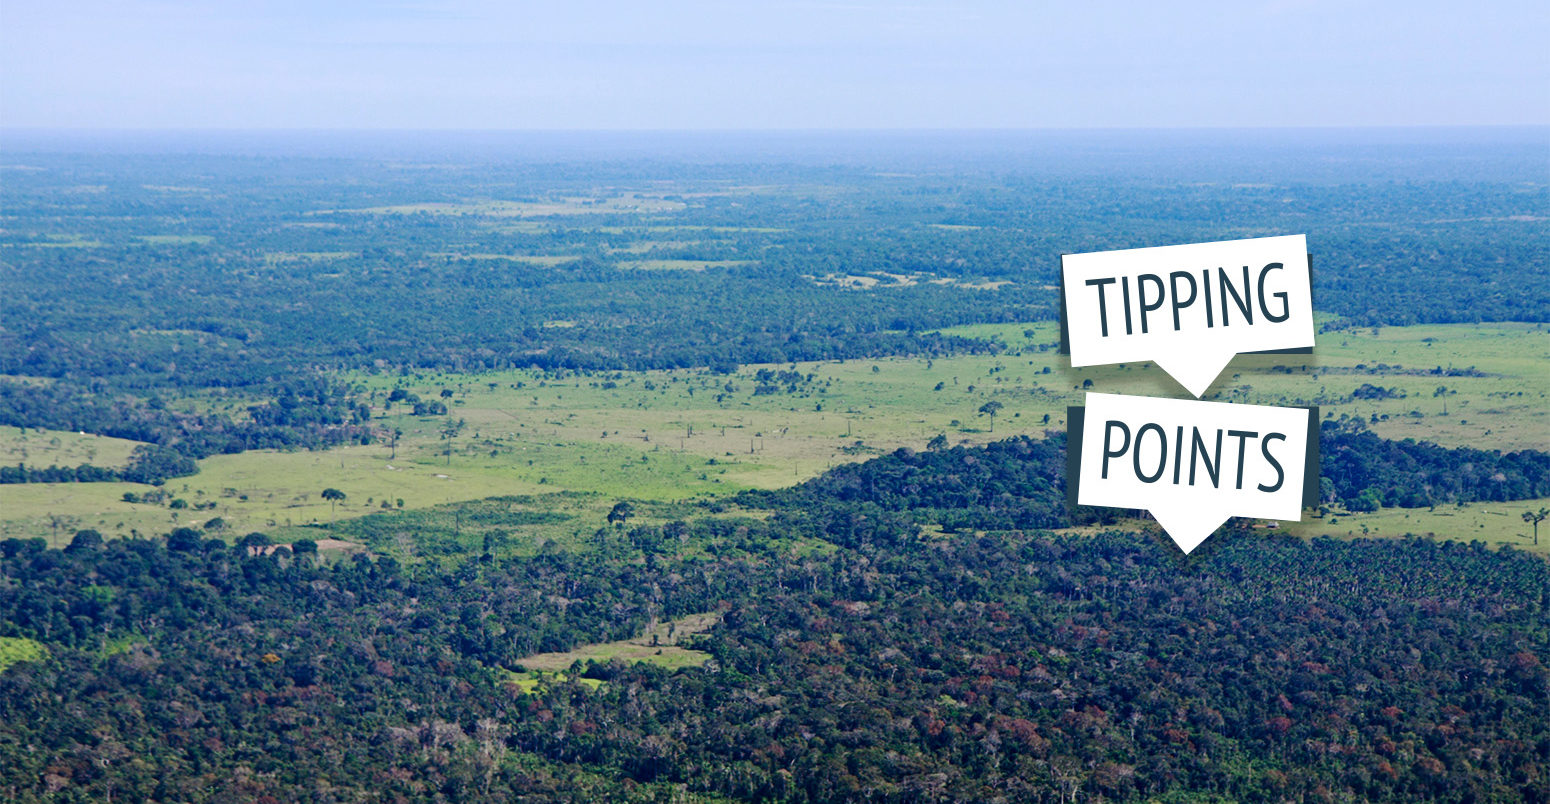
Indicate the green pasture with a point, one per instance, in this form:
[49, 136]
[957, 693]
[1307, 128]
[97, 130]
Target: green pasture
[1503, 408]
[1495, 523]
[19, 649]
[659, 646]
[676, 435]
[39, 448]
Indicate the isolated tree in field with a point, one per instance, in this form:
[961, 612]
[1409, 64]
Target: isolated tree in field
[449, 431]
[334, 497]
[398, 433]
[990, 409]
[1534, 518]
[620, 514]
[57, 521]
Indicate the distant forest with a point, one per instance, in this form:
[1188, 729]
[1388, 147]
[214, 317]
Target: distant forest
[144, 272]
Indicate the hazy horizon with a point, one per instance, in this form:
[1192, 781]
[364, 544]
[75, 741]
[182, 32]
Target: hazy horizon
[806, 65]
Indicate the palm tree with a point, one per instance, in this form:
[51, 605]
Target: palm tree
[1534, 518]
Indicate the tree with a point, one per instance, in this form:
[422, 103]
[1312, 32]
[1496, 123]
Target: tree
[620, 514]
[57, 521]
[990, 409]
[253, 541]
[334, 497]
[85, 540]
[1534, 518]
[937, 442]
[397, 433]
[449, 431]
[184, 540]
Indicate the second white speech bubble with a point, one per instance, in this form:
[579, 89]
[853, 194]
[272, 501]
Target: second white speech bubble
[1194, 464]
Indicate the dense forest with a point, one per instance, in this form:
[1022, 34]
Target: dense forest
[1019, 483]
[888, 666]
[309, 414]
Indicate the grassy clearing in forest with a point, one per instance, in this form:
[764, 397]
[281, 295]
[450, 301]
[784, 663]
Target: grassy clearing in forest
[1495, 523]
[19, 649]
[682, 434]
[658, 646]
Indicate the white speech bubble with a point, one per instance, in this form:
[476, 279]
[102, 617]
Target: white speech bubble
[1188, 308]
[1193, 464]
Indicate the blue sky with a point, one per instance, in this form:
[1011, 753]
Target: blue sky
[601, 64]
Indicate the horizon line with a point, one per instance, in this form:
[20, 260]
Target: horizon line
[752, 130]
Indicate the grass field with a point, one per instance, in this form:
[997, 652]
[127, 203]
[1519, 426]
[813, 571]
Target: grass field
[675, 435]
[1503, 408]
[1493, 523]
[658, 646]
[43, 448]
[18, 649]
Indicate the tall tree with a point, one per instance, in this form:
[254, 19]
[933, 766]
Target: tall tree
[990, 409]
[1534, 518]
[334, 497]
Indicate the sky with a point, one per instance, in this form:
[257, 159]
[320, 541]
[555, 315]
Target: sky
[806, 64]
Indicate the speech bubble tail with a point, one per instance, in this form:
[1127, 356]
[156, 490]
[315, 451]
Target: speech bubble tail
[1194, 371]
[1188, 527]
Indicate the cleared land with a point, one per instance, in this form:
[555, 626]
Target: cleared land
[18, 649]
[674, 435]
[658, 646]
[42, 448]
[1494, 523]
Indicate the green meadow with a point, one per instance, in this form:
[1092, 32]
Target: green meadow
[660, 645]
[18, 649]
[41, 448]
[665, 436]
[1494, 523]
